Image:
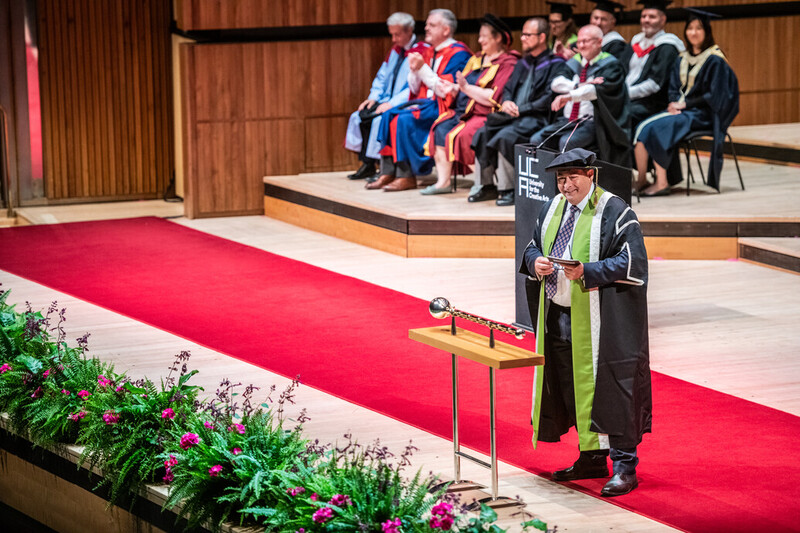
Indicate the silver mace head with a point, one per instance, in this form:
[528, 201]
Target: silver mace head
[439, 307]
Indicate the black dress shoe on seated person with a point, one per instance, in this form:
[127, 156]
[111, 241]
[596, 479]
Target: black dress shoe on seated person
[486, 192]
[583, 469]
[620, 484]
[505, 197]
[364, 171]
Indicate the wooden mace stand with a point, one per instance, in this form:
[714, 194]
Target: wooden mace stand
[497, 356]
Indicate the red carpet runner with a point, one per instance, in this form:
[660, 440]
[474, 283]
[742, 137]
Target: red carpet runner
[713, 463]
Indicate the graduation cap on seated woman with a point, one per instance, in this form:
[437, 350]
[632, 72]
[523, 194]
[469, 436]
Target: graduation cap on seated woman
[703, 16]
[562, 8]
[614, 8]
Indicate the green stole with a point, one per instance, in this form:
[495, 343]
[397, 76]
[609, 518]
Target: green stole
[582, 352]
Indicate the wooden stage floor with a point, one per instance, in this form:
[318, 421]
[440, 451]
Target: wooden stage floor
[702, 315]
[703, 225]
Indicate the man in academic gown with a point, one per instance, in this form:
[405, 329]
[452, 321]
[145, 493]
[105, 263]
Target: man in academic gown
[389, 88]
[525, 109]
[595, 103]
[650, 59]
[405, 128]
[590, 316]
[605, 16]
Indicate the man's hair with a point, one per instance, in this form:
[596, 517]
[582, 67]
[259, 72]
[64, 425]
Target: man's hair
[542, 26]
[448, 16]
[401, 19]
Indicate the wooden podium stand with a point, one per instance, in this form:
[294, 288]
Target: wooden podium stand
[476, 347]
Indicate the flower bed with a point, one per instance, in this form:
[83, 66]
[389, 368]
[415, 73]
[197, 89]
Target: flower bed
[226, 458]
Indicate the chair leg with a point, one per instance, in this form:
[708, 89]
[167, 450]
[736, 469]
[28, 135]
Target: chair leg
[689, 175]
[697, 157]
[735, 159]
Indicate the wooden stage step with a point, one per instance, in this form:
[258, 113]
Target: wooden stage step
[704, 225]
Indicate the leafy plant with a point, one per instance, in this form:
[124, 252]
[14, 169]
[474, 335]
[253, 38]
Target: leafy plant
[129, 423]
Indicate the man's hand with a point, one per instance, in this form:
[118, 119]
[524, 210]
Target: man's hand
[594, 81]
[560, 101]
[366, 103]
[510, 107]
[542, 266]
[674, 108]
[573, 272]
[383, 107]
[415, 61]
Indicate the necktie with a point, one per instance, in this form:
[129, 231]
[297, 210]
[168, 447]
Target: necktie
[401, 54]
[576, 106]
[562, 238]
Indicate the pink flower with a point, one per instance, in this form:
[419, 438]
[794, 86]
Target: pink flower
[110, 418]
[189, 440]
[295, 491]
[37, 392]
[322, 515]
[84, 394]
[168, 413]
[5, 368]
[442, 509]
[239, 428]
[208, 425]
[103, 381]
[442, 516]
[444, 523]
[314, 497]
[236, 451]
[301, 530]
[75, 417]
[391, 526]
[340, 500]
[172, 461]
[46, 373]
[121, 388]
[215, 470]
[65, 391]
[169, 477]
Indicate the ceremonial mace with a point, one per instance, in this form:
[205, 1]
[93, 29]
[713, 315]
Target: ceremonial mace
[440, 308]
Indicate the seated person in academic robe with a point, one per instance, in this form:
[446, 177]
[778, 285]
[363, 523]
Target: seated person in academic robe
[405, 128]
[595, 103]
[389, 88]
[476, 93]
[650, 58]
[525, 109]
[704, 96]
[605, 16]
[563, 30]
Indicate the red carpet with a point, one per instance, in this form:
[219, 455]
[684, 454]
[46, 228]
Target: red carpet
[713, 463]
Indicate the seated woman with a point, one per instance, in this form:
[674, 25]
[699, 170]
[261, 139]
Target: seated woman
[704, 95]
[475, 95]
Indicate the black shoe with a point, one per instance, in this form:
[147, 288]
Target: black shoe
[586, 467]
[364, 171]
[505, 197]
[661, 192]
[620, 484]
[486, 192]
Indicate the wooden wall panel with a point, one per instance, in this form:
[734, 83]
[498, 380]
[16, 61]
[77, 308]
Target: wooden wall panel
[106, 98]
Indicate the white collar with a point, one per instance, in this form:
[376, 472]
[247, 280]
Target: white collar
[410, 43]
[445, 44]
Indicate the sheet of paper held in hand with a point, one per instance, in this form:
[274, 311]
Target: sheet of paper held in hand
[564, 262]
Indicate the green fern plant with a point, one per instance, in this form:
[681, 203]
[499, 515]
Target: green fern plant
[129, 422]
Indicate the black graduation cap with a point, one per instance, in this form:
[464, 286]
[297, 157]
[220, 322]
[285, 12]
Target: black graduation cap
[563, 8]
[615, 8]
[500, 26]
[661, 5]
[575, 158]
[700, 14]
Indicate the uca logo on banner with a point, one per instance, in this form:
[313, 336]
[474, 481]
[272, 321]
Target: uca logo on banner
[529, 183]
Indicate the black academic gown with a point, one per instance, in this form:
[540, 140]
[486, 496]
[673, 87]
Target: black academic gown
[617, 268]
[611, 109]
[616, 48]
[658, 68]
[715, 89]
[529, 88]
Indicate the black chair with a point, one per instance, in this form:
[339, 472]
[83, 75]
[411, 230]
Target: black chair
[690, 143]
